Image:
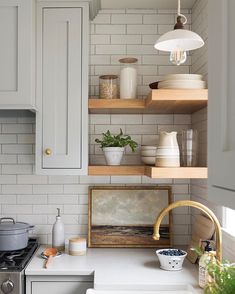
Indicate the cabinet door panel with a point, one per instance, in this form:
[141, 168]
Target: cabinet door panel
[221, 100]
[60, 287]
[16, 54]
[62, 117]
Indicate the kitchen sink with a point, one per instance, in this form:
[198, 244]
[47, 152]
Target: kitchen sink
[165, 289]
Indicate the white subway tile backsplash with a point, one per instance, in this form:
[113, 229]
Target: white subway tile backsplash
[33, 198]
[100, 39]
[7, 179]
[16, 209]
[126, 39]
[126, 19]
[102, 19]
[159, 19]
[110, 30]
[62, 199]
[99, 60]
[12, 169]
[138, 49]
[8, 199]
[17, 128]
[133, 119]
[17, 149]
[8, 159]
[17, 189]
[141, 29]
[110, 49]
[7, 139]
[48, 189]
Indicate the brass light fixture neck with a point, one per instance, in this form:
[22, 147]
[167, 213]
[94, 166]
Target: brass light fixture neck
[203, 208]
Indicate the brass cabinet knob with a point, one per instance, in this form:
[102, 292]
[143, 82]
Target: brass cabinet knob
[48, 151]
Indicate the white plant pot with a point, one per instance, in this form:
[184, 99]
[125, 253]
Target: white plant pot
[113, 155]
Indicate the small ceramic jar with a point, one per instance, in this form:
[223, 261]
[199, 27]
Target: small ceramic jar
[77, 246]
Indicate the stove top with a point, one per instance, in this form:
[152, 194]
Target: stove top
[17, 260]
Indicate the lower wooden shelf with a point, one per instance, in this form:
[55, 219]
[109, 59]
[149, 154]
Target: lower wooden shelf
[176, 172]
[149, 171]
[120, 170]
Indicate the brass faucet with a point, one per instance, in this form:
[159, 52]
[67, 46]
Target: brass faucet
[206, 210]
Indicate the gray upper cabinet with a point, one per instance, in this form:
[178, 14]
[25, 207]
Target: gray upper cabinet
[222, 102]
[17, 87]
[62, 87]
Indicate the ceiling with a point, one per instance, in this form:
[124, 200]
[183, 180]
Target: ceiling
[145, 4]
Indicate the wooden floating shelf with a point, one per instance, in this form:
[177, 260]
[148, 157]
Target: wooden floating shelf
[177, 100]
[121, 170]
[176, 172]
[161, 101]
[149, 171]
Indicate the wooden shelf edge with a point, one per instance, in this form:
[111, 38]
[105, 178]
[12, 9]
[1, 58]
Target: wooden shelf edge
[177, 94]
[116, 103]
[176, 172]
[121, 170]
[149, 171]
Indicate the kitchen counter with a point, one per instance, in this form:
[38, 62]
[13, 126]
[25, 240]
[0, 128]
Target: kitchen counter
[117, 269]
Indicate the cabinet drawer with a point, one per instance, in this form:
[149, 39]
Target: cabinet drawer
[60, 287]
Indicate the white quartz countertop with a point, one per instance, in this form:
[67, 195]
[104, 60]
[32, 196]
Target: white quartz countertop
[117, 269]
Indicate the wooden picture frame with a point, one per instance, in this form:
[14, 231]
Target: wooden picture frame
[123, 216]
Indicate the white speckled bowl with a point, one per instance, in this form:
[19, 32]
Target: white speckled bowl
[171, 263]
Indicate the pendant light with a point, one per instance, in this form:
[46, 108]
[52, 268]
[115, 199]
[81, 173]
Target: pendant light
[179, 41]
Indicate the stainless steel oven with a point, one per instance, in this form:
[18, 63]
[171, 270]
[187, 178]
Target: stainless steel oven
[12, 268]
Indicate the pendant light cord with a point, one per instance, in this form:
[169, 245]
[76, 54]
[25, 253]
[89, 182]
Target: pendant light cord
[180, 14]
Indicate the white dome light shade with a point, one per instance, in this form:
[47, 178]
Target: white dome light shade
[182, 39]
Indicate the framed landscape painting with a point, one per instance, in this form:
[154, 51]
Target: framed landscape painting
[123, 216]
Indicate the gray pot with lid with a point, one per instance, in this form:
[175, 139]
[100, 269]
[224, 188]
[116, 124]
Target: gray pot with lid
[13, 235]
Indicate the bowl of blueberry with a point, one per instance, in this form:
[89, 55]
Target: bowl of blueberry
[171, 259]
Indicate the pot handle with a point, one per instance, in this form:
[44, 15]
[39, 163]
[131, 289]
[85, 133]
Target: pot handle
[9, 218]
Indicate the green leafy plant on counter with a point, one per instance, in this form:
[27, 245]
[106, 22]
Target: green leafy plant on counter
[222, 278]
[120, 140]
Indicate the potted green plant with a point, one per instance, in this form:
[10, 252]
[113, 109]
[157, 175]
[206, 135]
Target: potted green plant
[113, 146]
[222, 278]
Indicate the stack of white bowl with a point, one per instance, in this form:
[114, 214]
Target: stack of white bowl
[168, 154]
[182, 81]
[148, 154]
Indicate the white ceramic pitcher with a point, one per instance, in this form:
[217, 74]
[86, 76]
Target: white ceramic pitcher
[168, 140]
[168, 154]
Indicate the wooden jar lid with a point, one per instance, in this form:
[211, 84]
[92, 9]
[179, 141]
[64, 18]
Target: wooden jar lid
[77, 240]
[108, 77]
[128, 60]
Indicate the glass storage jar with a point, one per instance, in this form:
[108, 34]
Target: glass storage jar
[108, 87]
[128, 78]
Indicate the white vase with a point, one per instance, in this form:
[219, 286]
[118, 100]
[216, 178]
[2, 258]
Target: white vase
[168, 154]
[113, 155]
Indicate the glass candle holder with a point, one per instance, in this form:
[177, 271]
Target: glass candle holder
[190, 147]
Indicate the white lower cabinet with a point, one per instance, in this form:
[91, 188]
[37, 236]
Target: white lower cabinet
[58, 284]
[62, 87]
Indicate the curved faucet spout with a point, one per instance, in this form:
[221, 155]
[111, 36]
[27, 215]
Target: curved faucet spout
[206, 210]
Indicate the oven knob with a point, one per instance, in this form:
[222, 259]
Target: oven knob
[7, 286]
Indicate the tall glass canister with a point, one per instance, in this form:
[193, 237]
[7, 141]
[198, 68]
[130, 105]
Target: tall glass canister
[190, 147]
[128, 78]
